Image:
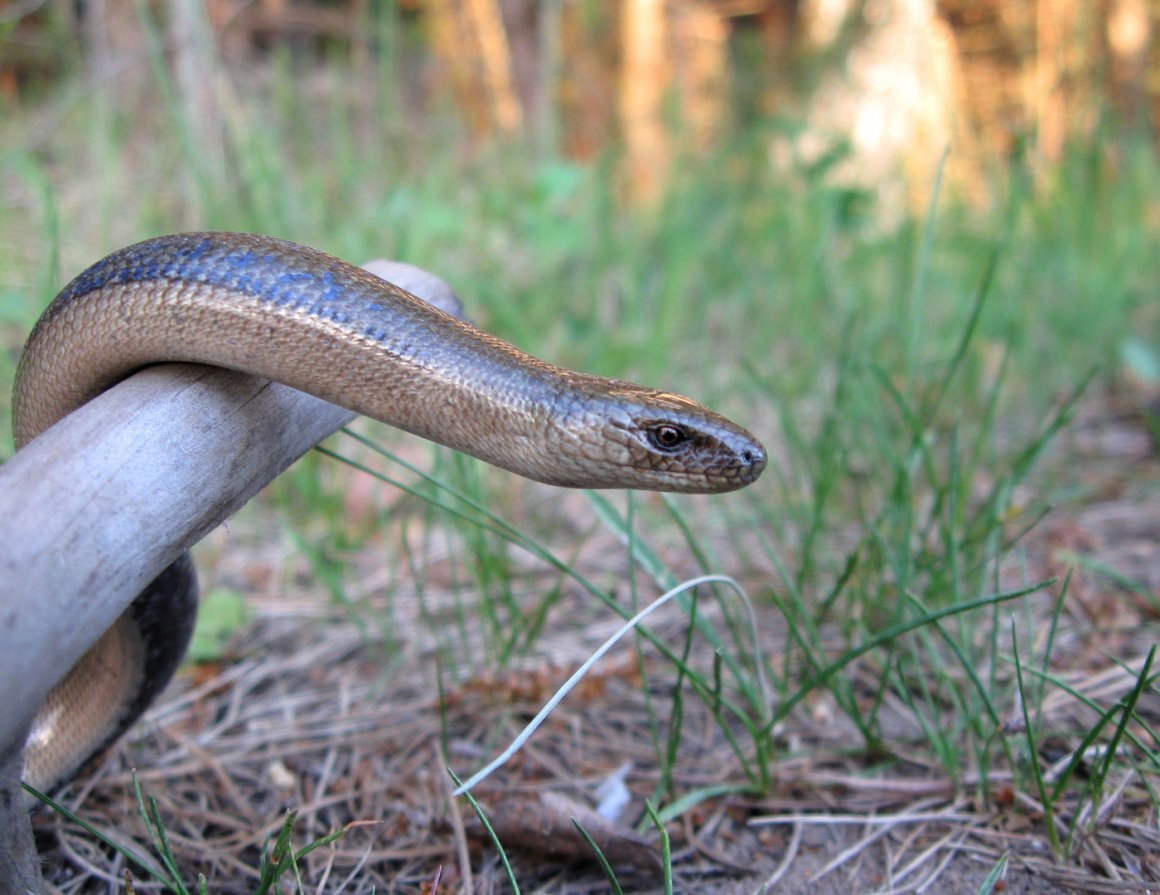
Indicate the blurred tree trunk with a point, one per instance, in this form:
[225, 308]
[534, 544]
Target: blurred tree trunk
[1068, 75]
[674, 87]
[1130, 35]
[496, 61]
[544, 104]
[588, 85]
[470, 39]
[196, 75]
[882, 116]
[644, 75]
[701, 43]
[1053, 21]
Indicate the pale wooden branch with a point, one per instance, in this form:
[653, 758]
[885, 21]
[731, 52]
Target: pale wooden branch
[95, 507]
[19, 868]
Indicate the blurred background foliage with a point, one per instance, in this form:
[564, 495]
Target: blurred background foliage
[876, 89]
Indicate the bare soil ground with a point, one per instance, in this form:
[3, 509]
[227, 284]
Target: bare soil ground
[353, 727]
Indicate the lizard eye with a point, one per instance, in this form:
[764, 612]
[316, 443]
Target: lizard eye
[667, 437]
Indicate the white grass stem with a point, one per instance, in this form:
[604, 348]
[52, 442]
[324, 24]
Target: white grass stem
[580, 672]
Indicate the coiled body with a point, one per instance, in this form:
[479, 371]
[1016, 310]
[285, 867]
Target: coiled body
[308, 320]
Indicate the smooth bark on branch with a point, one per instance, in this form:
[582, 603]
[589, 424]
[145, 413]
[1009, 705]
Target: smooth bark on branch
[19, 868]
[95, 507]
[98, 505]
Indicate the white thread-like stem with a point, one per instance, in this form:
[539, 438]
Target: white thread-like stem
[578, 675]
